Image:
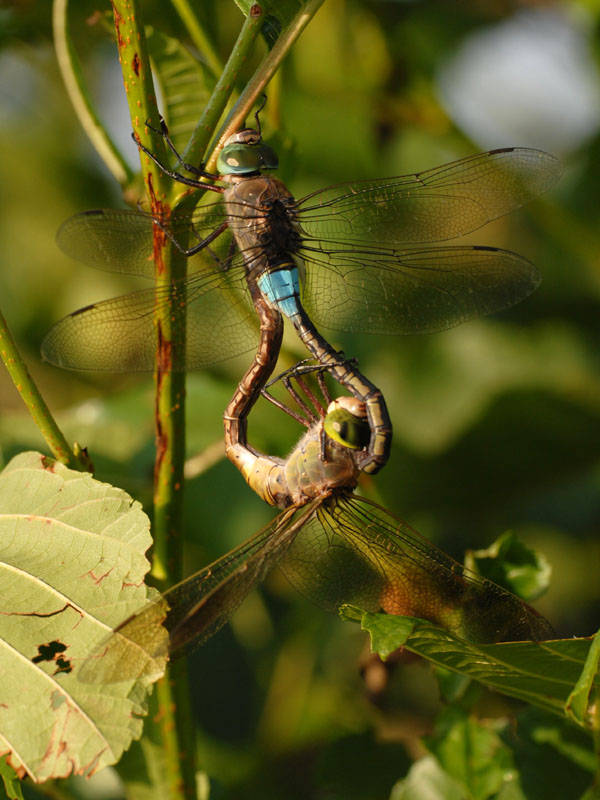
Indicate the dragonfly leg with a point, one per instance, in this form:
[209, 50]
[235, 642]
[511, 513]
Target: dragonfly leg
[190, 251]
[282, 406]
[164, 132]
[317, 405]
[177, 176]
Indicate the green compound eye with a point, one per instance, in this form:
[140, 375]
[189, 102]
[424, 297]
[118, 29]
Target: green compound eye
[347, 429]
[241, 158]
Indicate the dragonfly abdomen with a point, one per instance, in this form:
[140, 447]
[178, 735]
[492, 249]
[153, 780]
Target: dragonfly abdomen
[281, 289]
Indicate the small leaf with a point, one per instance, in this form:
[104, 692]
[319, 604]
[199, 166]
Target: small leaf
[385, 639]
[578, 701]
[541, 673]
[72, 568]
[12, 785]
[427, 780]
[472, 753]
[513, 565]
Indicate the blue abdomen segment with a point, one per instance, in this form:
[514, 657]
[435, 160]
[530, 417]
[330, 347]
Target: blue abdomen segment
[281, 288]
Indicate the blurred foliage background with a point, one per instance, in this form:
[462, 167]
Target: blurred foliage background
[497, 422]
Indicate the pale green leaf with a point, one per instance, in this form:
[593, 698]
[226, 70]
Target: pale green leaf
[72, 568]
[426, 780]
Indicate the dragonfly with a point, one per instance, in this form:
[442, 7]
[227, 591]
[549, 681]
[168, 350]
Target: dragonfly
[335, 546]
[355, 257]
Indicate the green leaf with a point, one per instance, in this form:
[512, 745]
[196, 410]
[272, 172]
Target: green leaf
[580, 699]
[185, 83]
[12, 785]
[472, 753]
[512, 564]
[541, 673]
[426, 780]
[554, 758]
[72, 568]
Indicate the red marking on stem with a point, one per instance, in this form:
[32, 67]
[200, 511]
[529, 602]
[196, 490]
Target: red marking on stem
[255, 11]
[162, 212]
[118, 21]
[163, 365]
[136, 64]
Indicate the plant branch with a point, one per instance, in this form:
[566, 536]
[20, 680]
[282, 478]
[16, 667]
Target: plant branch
[70, 68]
[200, 39]
[174, 714]
[25, 385]
[225, 85]
[257, 84]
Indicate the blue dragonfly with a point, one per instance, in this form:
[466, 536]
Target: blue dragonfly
[353, 257]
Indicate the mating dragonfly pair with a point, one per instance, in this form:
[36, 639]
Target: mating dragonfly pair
[368, 266]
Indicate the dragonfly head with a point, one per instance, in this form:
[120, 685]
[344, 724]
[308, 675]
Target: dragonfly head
[346, 423]
[245, 153]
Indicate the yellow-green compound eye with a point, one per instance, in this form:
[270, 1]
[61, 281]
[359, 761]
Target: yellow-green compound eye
[347, 429]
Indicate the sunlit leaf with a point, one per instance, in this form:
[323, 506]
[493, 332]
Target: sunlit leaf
[426, 779]
[72, 567]
[540, 673]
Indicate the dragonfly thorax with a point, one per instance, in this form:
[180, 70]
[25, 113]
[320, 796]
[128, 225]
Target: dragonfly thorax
[261, 216]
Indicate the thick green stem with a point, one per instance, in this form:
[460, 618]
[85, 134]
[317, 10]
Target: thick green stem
[25, 385]
[174, 713]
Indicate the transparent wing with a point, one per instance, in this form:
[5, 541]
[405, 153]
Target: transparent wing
[412, 291]
[122, 241]
[354, 551]
[194, 610]
[430, 206]
[119, 334]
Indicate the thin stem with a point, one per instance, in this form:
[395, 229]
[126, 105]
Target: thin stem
[174, 717]
[225, 85]
[25, 385]
[257, 84]
[70, 68]
[200, 39]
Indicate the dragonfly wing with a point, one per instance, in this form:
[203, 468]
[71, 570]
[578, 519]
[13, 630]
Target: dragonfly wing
[354, 551]
[413, 291]
[431, 206]
[192, 611]
[202, 604]
[122, 241]
[119, 334]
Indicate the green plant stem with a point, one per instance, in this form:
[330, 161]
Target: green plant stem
[211, 115]
[25, 385]
[200, 39]
[257, 84]
[70, 68]
[174, 713]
